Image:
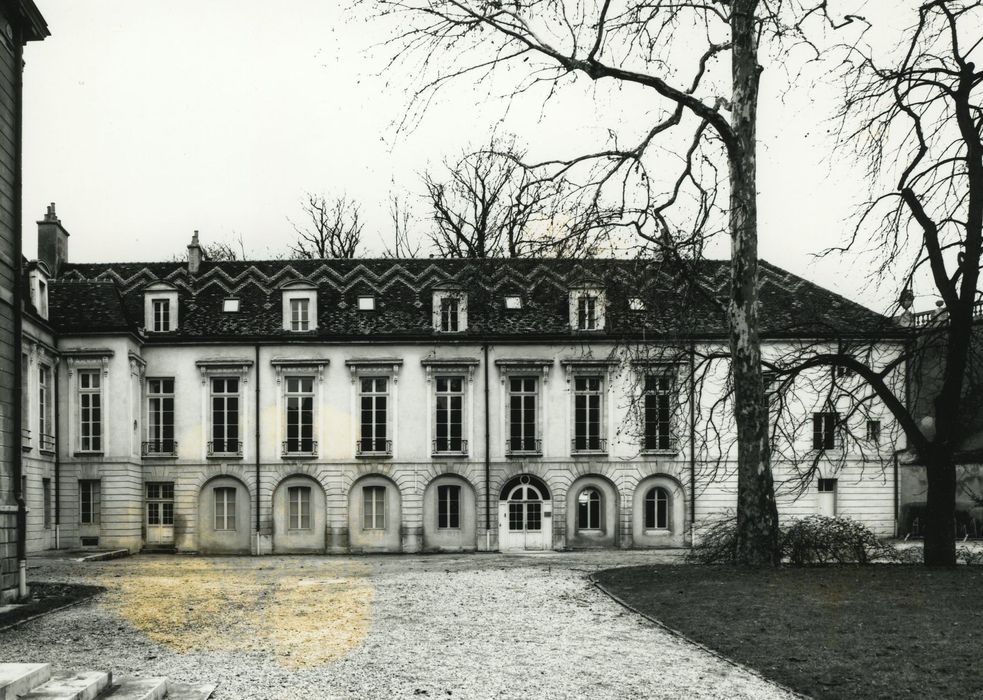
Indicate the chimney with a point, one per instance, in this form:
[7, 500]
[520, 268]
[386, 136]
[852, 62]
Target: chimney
[195, 255]
[52, 241]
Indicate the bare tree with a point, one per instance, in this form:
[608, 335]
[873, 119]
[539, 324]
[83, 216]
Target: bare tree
[331, 229]
[919, 121]
[226, 250]
[630, 43]
[403, 244]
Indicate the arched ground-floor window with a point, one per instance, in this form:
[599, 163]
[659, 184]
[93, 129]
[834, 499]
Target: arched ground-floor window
[658, 513]
[592, 512]
[449, 514]
[223, 517]
[374, 515]
[298, 516]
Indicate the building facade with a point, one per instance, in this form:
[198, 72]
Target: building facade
[20, 22]
[406, 405]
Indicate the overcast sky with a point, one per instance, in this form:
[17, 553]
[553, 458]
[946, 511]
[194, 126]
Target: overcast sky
[147, 120]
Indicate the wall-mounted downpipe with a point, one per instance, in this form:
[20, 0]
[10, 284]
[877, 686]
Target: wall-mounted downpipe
[488, 516]
[256, 365]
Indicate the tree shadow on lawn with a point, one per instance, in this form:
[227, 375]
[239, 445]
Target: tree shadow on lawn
[47, 597]
[883, 631]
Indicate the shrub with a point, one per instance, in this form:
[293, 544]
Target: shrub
[716, 544]
[969, 556]
[818, 539]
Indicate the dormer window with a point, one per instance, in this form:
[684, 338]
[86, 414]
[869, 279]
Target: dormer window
[299, 307]
[366, 303]
[587, 309]
[162, 315]
[230, 306]
[160, 308]
[513, 301]
[38, 285]
[450, 311]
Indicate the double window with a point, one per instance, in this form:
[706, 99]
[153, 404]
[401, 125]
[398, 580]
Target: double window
[657, 509]
[225, 508]
[449, 418]
[587, 312]
[374, 507]
[160, 417]
[824, 431]
[299, 507]
[300, 314]
[161, 314]
[448, 507]
[299, 399]
[589, 510]
[46, 426]
[658, 399]
[374, 416]
[89, 505]
[225, 417]
[90, 410]
[587, 414]
[160, 503]
[449, 309]
[523, 418]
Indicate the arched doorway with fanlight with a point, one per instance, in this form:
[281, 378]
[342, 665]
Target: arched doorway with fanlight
[525, 515]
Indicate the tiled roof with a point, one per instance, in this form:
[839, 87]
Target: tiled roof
[85, 298]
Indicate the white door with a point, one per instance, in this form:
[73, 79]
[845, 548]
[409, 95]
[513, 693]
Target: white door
[525, 520]
[160, 513]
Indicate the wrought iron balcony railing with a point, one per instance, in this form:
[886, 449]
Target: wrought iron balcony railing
[523, 446]
[225, 448]
[373, 447]
[160, 448]
[299, 447]
[586, 445]
[661, 442]
[450, 446]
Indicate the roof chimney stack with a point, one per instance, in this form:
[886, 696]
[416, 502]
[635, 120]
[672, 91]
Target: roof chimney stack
[52, 241]
[195, 255]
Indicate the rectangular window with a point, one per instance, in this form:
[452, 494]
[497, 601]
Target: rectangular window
[89, 505]
[42, 299]
[299, 499]
[824, 430]
[300, 319]
[373, 422]
[90, 410]
[161, 315]
[587, 312]
[299, 399]
[160, 417]
[225, 416]
[449, 420]
[160, 503]
[25, 401]
[225, 508]
[46, 426]
[374, 507]
[658, 403]
[366, 303]
[874, 431]
[448, 506]
[449, 314]
[46, 506]
[523, 395]
[827, 485]
[587, 397]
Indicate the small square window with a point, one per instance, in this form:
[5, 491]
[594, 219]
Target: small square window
[230, 305]
[513, 301]
[366, 303]
[636, 304]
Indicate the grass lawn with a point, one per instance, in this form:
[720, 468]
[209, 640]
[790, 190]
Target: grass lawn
[882, 631]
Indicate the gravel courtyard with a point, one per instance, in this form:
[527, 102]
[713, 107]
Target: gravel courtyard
[450, 626]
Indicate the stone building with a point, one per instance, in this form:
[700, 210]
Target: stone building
[407, 405]
[20, 22]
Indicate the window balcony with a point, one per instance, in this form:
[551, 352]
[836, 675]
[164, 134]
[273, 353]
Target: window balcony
[225, 448]
[160, 448]
[25, 438]
[661, 443]
[443, 447]
[47, 443]
[373, 447]
[588, 446]
[523, 447]
[299, 447]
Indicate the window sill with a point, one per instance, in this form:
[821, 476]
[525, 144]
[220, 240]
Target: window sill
[221, 455]
[374, 455]
[436, 455]
[161, 455]
[666, 451]
[299, 455]
[26, 448]
[46, 451]
[516, 454]
[88, 453]
[589, 453]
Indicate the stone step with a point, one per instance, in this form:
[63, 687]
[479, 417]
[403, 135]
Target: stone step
[137, 689]
[71, 686]
[186, 691]
[17, 679]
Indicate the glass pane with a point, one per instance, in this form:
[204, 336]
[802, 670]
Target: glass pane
[534, 519]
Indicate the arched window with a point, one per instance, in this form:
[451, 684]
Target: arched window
[589, 510]
[657, 509]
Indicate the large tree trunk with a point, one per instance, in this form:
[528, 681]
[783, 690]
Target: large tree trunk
[757, 514]
[940, 513]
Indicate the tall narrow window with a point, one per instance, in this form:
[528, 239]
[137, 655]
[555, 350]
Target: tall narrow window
[89, 505]
[874, 431]
[46, 506]
[374, 507]
[587, 312]
[225, 417]
[300, 415]
[225, 508]
[657, 509]
[448, 506]
[523, 393]
[299, 500]
[658, 398]
[449, 314]
[25, 401]
[160, 417]
[587, 397]
[45, 423]
[824, 430]
[589, 510]
[42, 299]
[300, 319]
[90, 410]
[161, 315]
[449, 421]
[374, 400]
